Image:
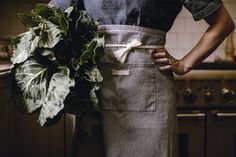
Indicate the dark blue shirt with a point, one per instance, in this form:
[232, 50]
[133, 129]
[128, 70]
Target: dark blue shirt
[157, 14]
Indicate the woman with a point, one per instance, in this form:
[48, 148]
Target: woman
[137, 95]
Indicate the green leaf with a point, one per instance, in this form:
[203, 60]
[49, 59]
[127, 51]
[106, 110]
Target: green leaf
[64, 24]
[91, 50]
[54, 20]
[75, 64]
[39, 90]
[61, 22]
[28, 21]
[59, 88]
[53, 15]
[31, 80]
[56, 38]
[15, 40]
[23, 46]
[100, 45]
[88, 53]
[47, 35]
[93, 75]
[50, 35]
[43, 10]
[49, 54]
[93, 97]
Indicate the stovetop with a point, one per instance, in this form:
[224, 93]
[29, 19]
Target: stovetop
[210, 85]
[206, 93]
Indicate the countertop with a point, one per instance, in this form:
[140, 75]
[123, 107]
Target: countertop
[4, 69]
[216, 66]
[211, 71]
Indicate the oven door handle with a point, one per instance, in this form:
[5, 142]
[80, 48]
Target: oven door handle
[191, 115]
[225, 115]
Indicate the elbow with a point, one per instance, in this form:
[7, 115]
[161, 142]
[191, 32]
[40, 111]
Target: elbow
[221, 21]
[230, 26]
[229, 23]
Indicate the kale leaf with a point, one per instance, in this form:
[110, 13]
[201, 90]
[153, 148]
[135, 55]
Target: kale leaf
[54, 66]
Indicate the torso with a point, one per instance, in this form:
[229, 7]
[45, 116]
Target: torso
[157, 14]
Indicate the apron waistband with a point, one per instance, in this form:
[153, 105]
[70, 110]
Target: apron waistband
[121, 54]
[112, 28]
[124, 38]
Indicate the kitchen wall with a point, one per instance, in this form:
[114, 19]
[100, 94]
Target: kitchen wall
[10, 25]
[181, 38]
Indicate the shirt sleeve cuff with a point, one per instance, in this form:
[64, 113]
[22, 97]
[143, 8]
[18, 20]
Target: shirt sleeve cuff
[210, 8]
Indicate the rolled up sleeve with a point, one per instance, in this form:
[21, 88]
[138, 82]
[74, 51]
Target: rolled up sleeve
[200, 9]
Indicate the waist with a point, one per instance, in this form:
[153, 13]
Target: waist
[151, 31]
[130, 44]
[123, 34]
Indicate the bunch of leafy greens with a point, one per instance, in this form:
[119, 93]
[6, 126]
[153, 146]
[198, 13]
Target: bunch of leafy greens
[54, 63]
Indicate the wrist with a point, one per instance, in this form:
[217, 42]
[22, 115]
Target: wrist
[186, 65]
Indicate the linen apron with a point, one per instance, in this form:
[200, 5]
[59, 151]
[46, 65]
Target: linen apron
[138, 105]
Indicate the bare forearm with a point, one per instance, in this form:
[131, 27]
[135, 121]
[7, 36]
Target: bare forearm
[221, 25]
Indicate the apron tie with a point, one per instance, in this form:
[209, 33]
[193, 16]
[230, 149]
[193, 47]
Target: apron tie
[121, 54]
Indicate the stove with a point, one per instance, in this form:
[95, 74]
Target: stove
[206, 102]
[207, 88]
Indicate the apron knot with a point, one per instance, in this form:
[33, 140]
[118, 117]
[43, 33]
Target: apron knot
[122, 53]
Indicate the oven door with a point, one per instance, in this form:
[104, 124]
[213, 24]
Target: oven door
[221, 133]
[191, 133]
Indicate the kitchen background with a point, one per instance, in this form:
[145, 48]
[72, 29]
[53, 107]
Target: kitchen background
[181, 38]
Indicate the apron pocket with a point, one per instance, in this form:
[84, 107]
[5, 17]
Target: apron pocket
[127, 87]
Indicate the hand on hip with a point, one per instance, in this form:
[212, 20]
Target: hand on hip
[161, 56]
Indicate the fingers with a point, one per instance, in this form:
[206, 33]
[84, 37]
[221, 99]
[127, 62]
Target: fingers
[166, 67]
[160, 53]
[162, 60]
[161, 56]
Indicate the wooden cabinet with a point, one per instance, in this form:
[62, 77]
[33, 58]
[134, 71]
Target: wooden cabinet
[22, 136]
[5, 117]
[31, 140]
